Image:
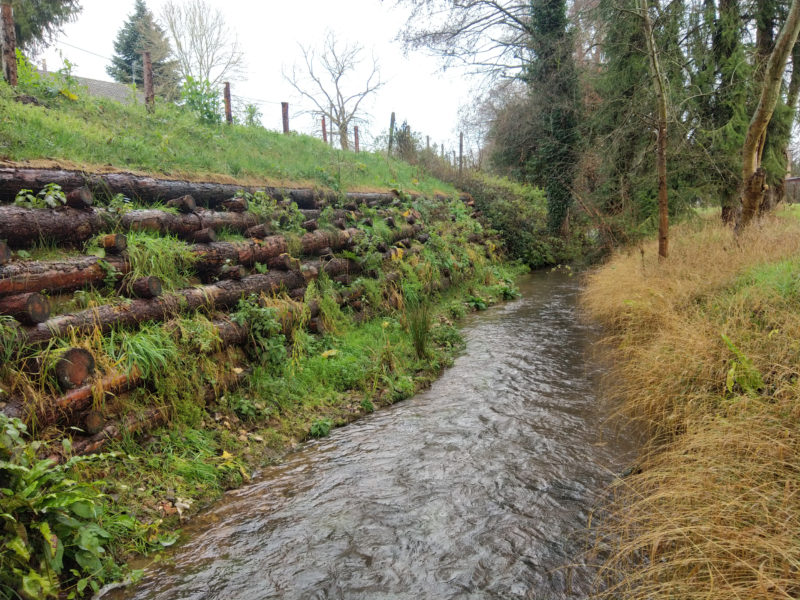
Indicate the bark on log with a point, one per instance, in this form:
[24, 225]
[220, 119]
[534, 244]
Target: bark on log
[149, 189]
[21, 227]
[114, 243]
[81, 398]
[258, 231]
[184, 225]
[237, 204]
[222, 294]
[29, 308]
[80, 198]
[310, 225]
[145, 287]
[5, 253]
[204, 236]
[73, 368]
[184, 204]
[64, 275]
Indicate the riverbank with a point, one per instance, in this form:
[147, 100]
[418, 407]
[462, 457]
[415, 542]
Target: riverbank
[706, 359]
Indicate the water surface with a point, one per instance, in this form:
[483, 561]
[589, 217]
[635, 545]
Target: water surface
[477, 488]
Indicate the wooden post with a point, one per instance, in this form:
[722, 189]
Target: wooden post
[228, 111]
[460, 153]
[324, 131]
[8, 37]
[391, 133]
[285, 113]
[427, 142]
[355, 132]
[149, 94]
[330, 127]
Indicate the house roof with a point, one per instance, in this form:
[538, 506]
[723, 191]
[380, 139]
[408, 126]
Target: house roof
[112, 90]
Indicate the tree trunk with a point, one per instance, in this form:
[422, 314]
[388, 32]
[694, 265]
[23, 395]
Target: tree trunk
[29, 308]
[661, 153]
[753, 175]
[222, 294]
[68, 274]
[8, 42]
[5, 253]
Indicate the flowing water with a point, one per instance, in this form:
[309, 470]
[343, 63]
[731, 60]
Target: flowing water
[480, 487]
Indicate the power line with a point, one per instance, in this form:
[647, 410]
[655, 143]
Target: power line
[84, 50]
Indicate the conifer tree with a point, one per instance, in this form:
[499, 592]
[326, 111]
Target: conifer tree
[36, 21]
[139, 34]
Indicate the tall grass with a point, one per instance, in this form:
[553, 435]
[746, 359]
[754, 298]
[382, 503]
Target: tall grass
[165, 257]
[706, 358]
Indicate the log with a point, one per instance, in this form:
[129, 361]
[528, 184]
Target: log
[73, 368]
[258, 231]
[94, 422]
[184, 225]
[64, 275]
[204, 236]
[145, 287]
[114, 243]
[150, 189]
[284, 262]
[80, 198]
[115, 430]
[21, 227]
[219, 295]
[5, 253]
[237, 204]
[184, 204]
[81, 398]
[310, 225]
[30, 308]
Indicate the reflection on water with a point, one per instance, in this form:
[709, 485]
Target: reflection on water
[476, 488]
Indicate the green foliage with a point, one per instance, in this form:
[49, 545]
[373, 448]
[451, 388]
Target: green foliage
[50, 196]
[320, 428]
[367, 405]
[151, 349]
[202, 99]
[141, 33]
[51, 523]
[418, 321]
[46, 86]
[742, 372]
[35, 23]
[162, 256]
[268, 344]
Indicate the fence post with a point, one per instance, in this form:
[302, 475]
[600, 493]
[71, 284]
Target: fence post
[147, 74]
[427, 142]
[9, 40]
[285, 114]
[460, 153]
[228, 111]
[324, 131]
[355, 133]
[391, 133]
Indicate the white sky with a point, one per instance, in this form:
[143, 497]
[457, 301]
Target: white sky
[269, 31]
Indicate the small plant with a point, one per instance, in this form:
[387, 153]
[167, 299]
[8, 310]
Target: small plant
[367, 405]
[320, 428]
[165, 257]
[477, 303]
[50, 196]
[268, 343]
[200, 97]
[51, 523]
[418, 320]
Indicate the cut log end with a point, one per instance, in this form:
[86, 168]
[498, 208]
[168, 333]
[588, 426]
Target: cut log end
[5, 253]
[147, 287]
[311, 225]
[114, 243]
[184, 204]
[258, 232]
[204, 236]
[236, 204]
[31, 309]
[74, 367]
[94, 422]
[80, 198]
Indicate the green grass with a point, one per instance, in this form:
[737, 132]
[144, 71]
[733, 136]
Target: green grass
[170, 142]
[155, 255]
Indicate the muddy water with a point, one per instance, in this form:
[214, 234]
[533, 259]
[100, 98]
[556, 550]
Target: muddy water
[477, 488]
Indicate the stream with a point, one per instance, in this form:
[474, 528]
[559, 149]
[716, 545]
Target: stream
[480, 487]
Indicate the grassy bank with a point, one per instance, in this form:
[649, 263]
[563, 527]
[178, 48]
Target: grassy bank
[706, 359]
[96, 134]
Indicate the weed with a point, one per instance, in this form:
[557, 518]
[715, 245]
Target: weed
[268, 343]
[165, 257]
[367, 405]
[320, 428]
[418, 320]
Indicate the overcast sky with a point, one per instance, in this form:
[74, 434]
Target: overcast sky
[416, 89]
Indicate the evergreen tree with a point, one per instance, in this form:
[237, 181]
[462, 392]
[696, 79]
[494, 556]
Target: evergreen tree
[139, 34]
[36, 21]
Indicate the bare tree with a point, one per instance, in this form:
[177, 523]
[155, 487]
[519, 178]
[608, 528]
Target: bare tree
[206, 48]
[324, 79]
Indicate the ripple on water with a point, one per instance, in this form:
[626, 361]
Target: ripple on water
[476, 488]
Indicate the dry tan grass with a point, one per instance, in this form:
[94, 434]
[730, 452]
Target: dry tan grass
[715, 511]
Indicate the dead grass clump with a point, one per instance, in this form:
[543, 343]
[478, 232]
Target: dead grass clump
[707, 356]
